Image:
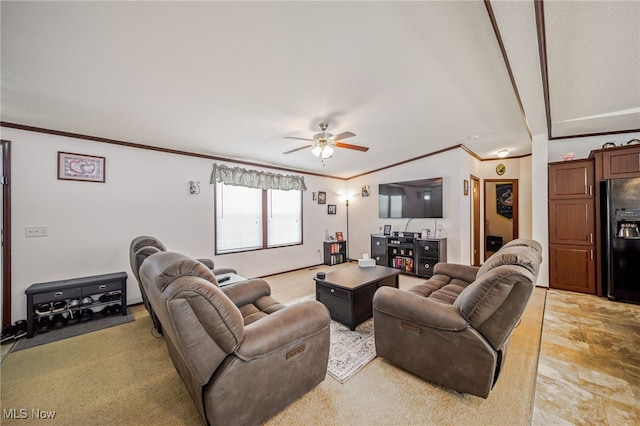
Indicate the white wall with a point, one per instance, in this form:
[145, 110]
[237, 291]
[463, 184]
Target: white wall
[453, 166]
[146, 193]
[582, 147]
[539, 210]
[516, 168]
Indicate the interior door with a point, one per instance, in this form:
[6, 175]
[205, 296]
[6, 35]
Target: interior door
[500, 213]
[475, 221]
[5, 233]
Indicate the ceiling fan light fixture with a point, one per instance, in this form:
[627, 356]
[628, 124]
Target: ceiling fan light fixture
[503, 153]
[327, 151]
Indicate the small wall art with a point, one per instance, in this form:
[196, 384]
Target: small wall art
[322, 198]
[366, 191]
[88, 168]
[331, 209]
[466, 187]
[339, 236]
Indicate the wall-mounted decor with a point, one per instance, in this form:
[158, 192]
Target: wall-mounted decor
[331, 209]
[82, 167]
[466, 187]
[322, 198]
[387, 230]
[315, 196]
[504, 200]
[366, 191]
[339, 236]
[500, 169]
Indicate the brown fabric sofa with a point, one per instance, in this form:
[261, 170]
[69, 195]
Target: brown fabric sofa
[242, 355]
[144, 246]
[454, 329]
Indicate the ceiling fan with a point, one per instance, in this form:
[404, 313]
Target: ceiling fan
[324, 143]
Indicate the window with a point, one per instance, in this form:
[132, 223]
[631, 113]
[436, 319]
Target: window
[285, 217]
[250, 219]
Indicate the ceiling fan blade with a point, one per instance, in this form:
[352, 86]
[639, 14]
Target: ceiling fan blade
[300, 139]
[297, 149]
[349, 146]
[343, 135]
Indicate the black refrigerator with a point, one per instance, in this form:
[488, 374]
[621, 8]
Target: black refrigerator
[621, 239]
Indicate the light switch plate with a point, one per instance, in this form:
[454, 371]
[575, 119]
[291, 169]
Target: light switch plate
[36, 231]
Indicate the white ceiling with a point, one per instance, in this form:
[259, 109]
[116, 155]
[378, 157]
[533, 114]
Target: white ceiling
[232, 79]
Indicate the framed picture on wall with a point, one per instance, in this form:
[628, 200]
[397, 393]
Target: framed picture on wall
[88, 168]
[387, 230]
[339, 236]
[331, 209]
[322, 198]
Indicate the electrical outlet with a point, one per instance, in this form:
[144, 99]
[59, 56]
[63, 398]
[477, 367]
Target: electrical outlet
[36, 231]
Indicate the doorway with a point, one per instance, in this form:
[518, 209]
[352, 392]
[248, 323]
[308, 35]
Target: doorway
[5, 233]
[500, 213]
[475, 220]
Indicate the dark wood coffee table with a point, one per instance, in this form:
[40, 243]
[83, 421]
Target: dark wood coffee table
[348, 292]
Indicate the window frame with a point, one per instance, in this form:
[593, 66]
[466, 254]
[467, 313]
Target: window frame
[264, 217]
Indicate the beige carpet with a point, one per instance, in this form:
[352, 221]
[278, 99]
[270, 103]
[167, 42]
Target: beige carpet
[123, 375]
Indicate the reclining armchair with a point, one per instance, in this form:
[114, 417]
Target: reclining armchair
[242, 355]
[454, 329]
[143, 247]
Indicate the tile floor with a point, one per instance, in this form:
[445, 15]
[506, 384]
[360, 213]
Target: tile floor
[589, 366]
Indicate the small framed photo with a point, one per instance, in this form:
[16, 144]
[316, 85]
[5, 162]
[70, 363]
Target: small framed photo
[322, 198]
[466, 187]
[387, 230]
[339, 236]
[331, 209]
[88, 168]
[366, 191]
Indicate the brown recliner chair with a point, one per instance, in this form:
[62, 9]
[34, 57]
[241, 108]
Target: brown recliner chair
[454, 329]
[144, 246]
[242, 355]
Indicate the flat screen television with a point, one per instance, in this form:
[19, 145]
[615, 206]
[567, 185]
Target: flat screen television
[411, 199]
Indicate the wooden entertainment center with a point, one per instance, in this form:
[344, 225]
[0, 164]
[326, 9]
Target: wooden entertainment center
[408, 252]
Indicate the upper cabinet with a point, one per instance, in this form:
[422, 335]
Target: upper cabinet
[571, 179]
[621, 163]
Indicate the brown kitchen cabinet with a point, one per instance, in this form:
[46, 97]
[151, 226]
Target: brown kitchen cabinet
[571, 179]
[621, 163]
[572, 226]
[572, 221]
[573, 267]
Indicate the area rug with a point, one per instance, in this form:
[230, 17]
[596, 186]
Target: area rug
[350, 350]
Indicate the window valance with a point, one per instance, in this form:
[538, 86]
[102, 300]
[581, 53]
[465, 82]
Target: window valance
[255, 179]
